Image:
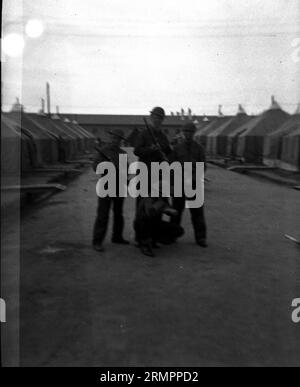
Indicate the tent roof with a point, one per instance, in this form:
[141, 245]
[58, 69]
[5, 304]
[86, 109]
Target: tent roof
[241, 110]
[274, 104]
[43, 121]
[123, 120]
[56, 127]
[265, 123]
[35, 129]
[8, 129]
[289, 126]
[212, 126]
[295, 132]
[230, 125]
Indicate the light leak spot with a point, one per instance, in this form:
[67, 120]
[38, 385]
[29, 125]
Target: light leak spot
[34, 28]
[13, 44]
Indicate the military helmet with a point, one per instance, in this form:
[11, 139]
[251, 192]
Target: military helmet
[158, 111]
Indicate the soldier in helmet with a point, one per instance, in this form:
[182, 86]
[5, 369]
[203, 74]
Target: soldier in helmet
[152, 145]
[190, 151]
[110, 153]
[146, 149]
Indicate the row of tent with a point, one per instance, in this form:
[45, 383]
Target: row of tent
[31, 140]
[271, 138]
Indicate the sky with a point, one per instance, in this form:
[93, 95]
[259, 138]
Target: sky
[124, 57]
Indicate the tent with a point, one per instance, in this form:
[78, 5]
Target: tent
[218, 140]
[250, 141]
[273, 142]
[66, 143]
[290, 151]
[44, 142]
[16, 149]
[89, 138]
[80, 137]
[85, 141]
[202, 134]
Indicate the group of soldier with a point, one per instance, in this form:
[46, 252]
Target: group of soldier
[151, 145]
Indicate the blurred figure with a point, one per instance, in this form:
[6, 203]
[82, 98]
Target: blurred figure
[149, 226]
[190, 151]
[110, 153]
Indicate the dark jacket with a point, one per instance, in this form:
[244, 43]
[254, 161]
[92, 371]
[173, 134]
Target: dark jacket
[192, 152]
[189, 152]
[107, 153]
[144, 141]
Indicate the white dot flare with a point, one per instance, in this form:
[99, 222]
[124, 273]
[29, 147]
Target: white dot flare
[13, 44]
[34, 28]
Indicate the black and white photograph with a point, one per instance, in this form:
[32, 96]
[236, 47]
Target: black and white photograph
[150, 186]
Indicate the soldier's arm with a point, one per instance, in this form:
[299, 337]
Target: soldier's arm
[142, 148]
[166, 148]
[170, 211]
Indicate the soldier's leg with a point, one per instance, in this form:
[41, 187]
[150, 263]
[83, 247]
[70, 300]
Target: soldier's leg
[118, 224]
[101, 222]
[178, 205]
[137, 201]
[155, 230]
[143, 228]
[199, 224]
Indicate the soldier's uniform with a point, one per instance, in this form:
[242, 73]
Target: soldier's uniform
[190, 151]
[146, 148]
[143, 147]
[110, 153]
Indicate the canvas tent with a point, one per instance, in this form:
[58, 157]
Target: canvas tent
[202, 134]
[89, 139]
[84, 140]
[16, 148]
[66, 143]
[217, 141]
[250, 142]
[45, 143]
[80, 137]
[273, 142]
[290, 151]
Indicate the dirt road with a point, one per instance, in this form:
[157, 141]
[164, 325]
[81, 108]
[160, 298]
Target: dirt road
[229, 304]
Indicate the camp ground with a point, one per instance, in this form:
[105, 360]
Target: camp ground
[46, 168]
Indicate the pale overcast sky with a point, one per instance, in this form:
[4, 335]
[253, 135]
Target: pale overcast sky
[116, 56]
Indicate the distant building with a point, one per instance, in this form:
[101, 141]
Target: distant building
[100, 124]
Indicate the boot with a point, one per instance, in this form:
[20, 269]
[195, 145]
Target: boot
[120, 241]
[98, 247]
[147, 250]
[202, 242]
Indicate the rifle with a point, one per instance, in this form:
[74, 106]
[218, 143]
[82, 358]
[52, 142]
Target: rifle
[98, 149]
[117, 135]
[155, 142]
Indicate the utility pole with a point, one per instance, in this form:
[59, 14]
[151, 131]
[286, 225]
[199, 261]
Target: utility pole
[48, 99]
